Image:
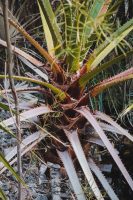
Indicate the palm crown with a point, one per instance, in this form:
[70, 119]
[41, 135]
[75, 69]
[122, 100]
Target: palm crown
[77, 47]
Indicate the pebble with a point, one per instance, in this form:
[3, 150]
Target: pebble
[41, 197]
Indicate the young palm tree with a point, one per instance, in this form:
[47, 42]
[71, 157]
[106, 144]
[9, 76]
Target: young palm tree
[79, 42]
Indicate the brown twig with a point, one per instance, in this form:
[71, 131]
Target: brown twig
[10, 73]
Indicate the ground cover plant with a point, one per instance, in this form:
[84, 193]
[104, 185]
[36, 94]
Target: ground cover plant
[82, 41]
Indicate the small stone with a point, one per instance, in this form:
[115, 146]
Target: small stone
[6, 186]
[41, 197]
[34, 193]
[6, 192]
[9, 173]
[43, 169]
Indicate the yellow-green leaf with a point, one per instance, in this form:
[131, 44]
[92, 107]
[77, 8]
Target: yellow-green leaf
[2, 195]
[91, 74]
[9, 167]
[60, 94]
[103, 50]
[48, 36]
[51, 28]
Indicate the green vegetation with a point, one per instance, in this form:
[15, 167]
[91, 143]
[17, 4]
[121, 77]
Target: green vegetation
[83, 41]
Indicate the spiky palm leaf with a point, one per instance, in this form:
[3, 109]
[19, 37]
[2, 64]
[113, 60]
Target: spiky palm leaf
[67, 85]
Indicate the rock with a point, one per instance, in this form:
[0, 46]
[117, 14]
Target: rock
[43, 169]
[41, 197]
[42, 176]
